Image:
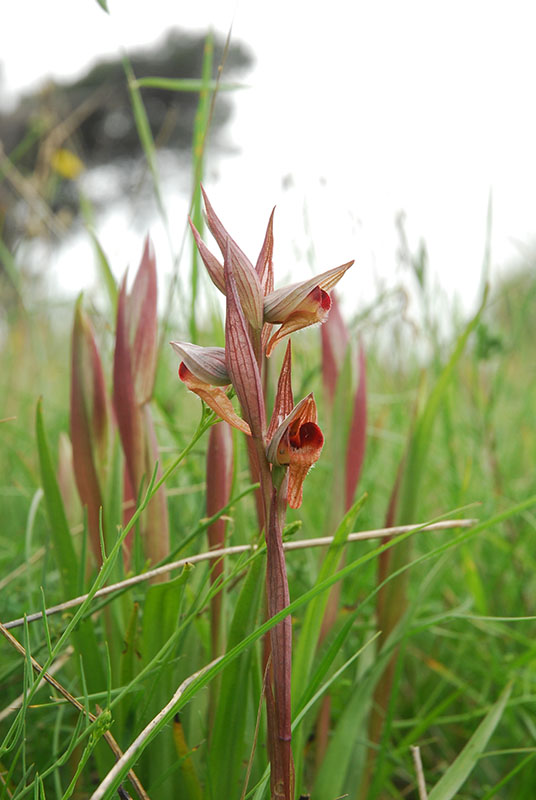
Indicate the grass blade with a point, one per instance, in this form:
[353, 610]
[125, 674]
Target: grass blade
[84, 637]
[461, 768]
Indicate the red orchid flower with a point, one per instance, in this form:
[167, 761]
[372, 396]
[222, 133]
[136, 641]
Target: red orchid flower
[297, 444]
[301, 304]
[204, 372]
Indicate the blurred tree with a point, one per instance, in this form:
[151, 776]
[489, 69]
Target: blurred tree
[66, 127]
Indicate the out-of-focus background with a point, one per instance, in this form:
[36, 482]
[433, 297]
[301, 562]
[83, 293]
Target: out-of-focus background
[365, 123]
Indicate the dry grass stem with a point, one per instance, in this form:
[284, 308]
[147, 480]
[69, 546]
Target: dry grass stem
[301, 544]
[55, 667]
[421, 784]
[46, 676]
[137, 744]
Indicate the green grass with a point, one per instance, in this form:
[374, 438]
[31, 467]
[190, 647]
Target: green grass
[460, 638]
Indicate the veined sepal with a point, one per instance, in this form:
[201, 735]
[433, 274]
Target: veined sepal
[206, 363]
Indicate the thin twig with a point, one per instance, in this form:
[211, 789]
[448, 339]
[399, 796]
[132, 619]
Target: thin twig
[139, 741]
[378, 533]
[25, 188]
[15, 704]
[21, 569]
[114, 747]
[421, 784]
[257, 726]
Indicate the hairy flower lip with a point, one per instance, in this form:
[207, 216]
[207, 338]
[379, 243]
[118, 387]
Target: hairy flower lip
[305, 410]
[206, 363]
[214, 397]
[297, 444]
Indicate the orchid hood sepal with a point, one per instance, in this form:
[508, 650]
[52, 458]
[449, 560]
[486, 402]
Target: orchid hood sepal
[206, 363]
[301, 304]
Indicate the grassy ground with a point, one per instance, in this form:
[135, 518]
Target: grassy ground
[462, 639]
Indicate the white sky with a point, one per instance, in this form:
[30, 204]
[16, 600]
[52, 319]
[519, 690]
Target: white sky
[371, 107]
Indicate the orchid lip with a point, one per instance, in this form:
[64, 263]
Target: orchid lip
[297, 444]
[214, 397]
[305, 411]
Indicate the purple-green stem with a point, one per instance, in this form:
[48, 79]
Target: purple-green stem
[274, 493]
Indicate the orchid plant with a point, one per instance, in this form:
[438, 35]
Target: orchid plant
[285, 449]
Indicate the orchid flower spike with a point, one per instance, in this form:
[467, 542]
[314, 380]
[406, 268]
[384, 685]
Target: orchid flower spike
[297, 444]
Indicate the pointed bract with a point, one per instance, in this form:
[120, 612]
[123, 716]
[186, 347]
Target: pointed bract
[220, 234]
[248, 287]
[264, 266]
[284, 402]
[214, 268]
[241, 361]
[265, 271]
[248, 283]
[143, 326]
[90, 422]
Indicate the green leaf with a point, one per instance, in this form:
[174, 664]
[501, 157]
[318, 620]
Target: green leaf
[187, 84]
[310, 632]
[201, 127]
[205, 676]
[160, 621]
[351, 727]
[461, 768]
[421, 439]
[226, 753]
[59, 527]
[161, 613]
[84, 638]
[102, 261]
[392, 601]
[145, 134]
[10, 267]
